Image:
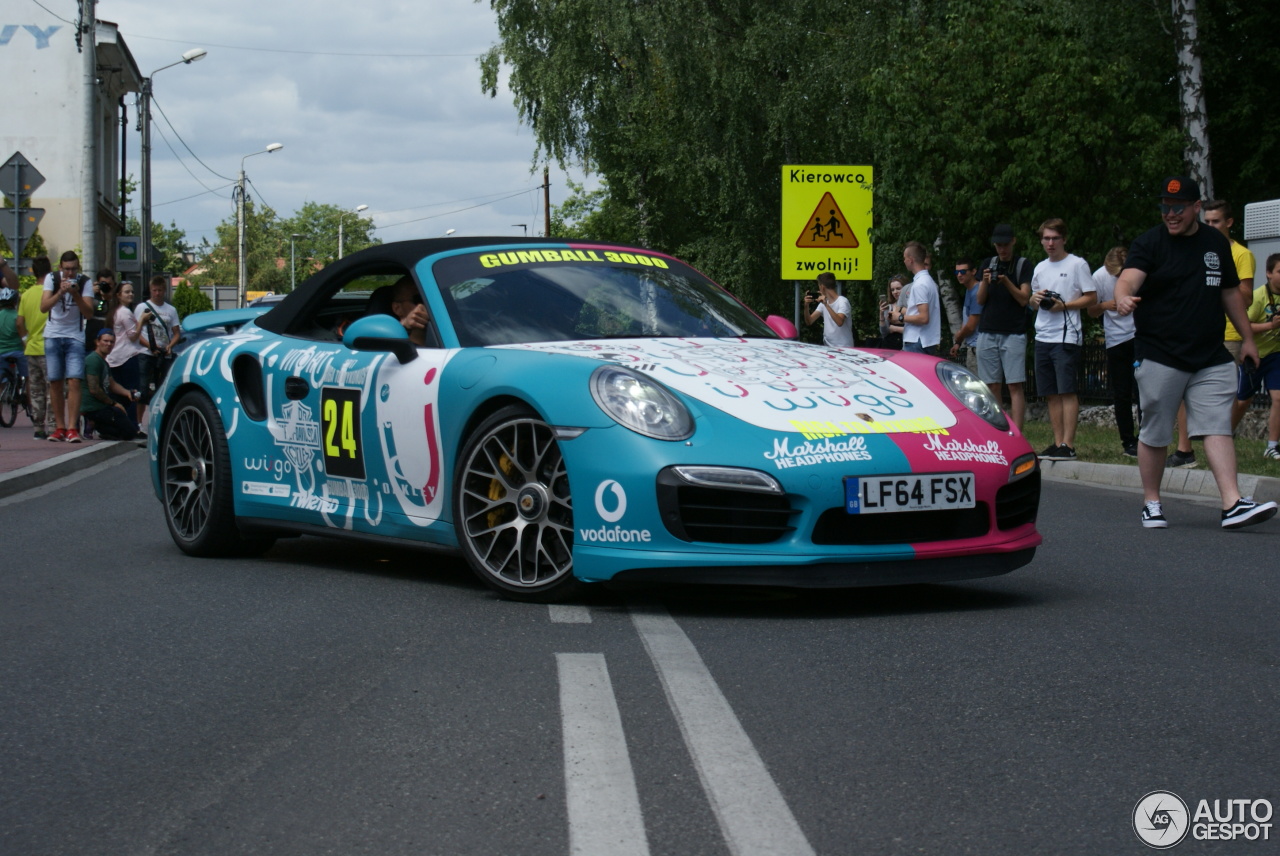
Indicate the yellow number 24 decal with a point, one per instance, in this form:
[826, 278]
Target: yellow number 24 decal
[340, 418]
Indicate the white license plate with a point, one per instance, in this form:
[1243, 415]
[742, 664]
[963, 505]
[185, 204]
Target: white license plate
[880, 494]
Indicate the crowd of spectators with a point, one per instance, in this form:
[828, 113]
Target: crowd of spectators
[90, 355]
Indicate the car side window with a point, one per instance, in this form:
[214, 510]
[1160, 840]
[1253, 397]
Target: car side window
[326, 318]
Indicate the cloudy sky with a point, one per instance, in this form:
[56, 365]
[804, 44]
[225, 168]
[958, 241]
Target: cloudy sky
[377, 103]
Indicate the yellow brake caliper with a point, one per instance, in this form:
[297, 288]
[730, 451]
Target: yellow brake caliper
[497, 490]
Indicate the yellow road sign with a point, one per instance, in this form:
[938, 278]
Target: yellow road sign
[826, 216]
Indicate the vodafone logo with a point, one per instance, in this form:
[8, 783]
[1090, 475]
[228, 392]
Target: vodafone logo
[618, 501]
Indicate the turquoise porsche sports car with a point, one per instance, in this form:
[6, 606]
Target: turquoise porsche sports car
[566, 413]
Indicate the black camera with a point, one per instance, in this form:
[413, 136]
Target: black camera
[1000, 269]
[1051, 297]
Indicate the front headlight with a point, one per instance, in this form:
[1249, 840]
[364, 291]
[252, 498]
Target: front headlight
[972, 393]
[640, 403]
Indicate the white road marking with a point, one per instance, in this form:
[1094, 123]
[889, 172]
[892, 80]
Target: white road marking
[568, 614]
[600, 787]
[752, 813]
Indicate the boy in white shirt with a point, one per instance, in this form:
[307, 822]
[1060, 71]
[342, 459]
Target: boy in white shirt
[837, 321]
[1061, 286]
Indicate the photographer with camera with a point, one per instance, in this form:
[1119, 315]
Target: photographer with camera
[1061, 286]
[837, 325]
[1003, 292]
[66, 297]
[104, 288]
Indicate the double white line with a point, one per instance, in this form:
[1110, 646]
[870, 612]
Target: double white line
[603, 803]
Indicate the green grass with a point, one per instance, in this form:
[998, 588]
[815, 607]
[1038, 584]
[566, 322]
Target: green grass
[1102, 446]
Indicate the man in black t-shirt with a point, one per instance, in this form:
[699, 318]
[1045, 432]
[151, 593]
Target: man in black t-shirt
[1003, 292]
[1173, 284]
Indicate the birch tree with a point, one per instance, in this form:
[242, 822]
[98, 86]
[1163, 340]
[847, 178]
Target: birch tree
[1195, 122]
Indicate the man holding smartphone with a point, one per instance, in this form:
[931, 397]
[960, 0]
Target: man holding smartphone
[67, 298]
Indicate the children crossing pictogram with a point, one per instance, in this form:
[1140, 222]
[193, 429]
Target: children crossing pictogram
[827, 227]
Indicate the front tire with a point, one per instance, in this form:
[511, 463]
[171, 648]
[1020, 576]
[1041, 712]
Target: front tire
[513, 510]
[195, 473]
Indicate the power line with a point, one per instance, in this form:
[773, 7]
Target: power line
[260, 197]
[456, 201]
[179, 159]
[53, 13]
[184, 142]
[457, 211]
[309, 53]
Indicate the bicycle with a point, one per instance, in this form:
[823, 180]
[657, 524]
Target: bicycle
[13, 393]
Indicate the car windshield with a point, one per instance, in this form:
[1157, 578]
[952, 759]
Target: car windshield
[542, 295]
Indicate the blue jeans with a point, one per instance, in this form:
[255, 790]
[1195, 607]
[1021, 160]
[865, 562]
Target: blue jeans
[64, 358]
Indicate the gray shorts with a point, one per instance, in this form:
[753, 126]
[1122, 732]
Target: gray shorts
[1208, 393]
[1002, 357]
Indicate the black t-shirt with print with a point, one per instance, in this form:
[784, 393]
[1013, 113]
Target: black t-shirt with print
[1179, 319]
[1002, 313]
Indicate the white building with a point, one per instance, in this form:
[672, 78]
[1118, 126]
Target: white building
[45, 115]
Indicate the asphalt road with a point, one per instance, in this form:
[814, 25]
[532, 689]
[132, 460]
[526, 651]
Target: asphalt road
[333, 698]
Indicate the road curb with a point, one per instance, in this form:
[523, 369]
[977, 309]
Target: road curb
[43, 472]
[1187, 482]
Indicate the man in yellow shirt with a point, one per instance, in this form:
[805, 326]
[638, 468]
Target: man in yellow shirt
[1218, 214]
[1264, 319]
[31, 325]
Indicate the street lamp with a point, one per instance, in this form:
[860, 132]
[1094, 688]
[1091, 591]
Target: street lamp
[243, 263]
[448, 232]
[144, 122]
[293, 265]
[524, 226]
[343, 216]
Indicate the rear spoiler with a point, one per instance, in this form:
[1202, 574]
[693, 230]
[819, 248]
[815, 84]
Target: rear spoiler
[229, 318]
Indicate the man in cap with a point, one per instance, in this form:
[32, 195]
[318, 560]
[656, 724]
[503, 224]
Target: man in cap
[1003, 292]
[1177, 280]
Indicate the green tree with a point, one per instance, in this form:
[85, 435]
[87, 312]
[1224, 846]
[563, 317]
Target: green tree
[264, 238]
[594, 215]
[971, 112]
[318, 226]
[267, 237]
[188, 299]
[170, 243]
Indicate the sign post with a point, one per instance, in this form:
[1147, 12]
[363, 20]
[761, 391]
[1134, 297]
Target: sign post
[18, 180]
[826, 221]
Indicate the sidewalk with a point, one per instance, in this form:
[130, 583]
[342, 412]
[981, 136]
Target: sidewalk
[26, 462]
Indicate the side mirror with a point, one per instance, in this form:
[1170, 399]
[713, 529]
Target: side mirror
[782, 327]
[380, 333]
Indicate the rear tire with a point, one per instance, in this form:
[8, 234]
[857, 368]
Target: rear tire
[8, 399]
[512, 509]
[195, 475]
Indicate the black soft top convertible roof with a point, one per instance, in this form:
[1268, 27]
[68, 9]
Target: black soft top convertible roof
[393, 258]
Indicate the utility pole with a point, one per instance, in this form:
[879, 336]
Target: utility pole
[546, 201]
[89, 260]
